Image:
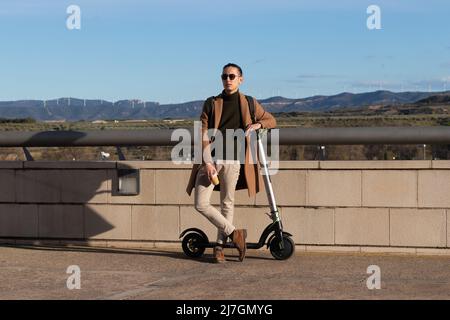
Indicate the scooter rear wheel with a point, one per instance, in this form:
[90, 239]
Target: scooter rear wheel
[282, 253]
[193, 245]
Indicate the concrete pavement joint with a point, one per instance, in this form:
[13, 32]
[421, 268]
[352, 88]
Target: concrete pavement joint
[133, 292]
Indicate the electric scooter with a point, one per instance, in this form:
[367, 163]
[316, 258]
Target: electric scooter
[280, 243]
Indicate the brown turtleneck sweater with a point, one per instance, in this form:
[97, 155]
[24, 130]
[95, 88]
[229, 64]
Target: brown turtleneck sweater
[231, 119]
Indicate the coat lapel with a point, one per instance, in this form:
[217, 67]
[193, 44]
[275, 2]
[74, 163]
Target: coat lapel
[217, 111]
[244, 110]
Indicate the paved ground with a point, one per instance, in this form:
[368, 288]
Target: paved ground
[40, 273]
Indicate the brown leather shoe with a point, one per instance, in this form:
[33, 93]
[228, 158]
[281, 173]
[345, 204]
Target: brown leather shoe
[239, 236]
[219, 256]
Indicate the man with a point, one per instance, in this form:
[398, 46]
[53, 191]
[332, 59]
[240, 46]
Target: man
[230, 110]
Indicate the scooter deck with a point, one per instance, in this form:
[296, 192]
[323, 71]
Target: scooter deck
[230, 245]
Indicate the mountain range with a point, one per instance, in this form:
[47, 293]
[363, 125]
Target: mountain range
[73, 109]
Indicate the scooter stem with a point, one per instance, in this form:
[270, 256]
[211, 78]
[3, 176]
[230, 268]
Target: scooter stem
[267, 182]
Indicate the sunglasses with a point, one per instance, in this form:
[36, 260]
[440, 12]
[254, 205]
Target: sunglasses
[231, 76]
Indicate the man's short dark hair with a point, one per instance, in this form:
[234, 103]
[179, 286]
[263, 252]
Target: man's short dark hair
[234, 66]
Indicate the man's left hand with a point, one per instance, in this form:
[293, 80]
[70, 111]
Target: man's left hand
[252, 127]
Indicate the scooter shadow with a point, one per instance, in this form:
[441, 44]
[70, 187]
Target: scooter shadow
[206, 258]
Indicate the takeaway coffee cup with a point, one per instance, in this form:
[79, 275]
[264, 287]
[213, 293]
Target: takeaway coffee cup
[215, 179]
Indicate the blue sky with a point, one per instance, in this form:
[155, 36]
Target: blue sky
[173, 50]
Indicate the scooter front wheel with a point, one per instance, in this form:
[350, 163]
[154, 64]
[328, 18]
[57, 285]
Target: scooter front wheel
[193, 245]
[282, 251]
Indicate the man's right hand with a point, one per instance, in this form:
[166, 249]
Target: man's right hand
[210, 170]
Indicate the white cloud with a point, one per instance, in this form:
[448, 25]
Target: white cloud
[375, 85]
[317, 76]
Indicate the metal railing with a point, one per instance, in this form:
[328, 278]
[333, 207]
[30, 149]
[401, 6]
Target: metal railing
[287, 136]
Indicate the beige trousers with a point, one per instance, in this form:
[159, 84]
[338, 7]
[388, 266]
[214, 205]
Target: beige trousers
[228, 173]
